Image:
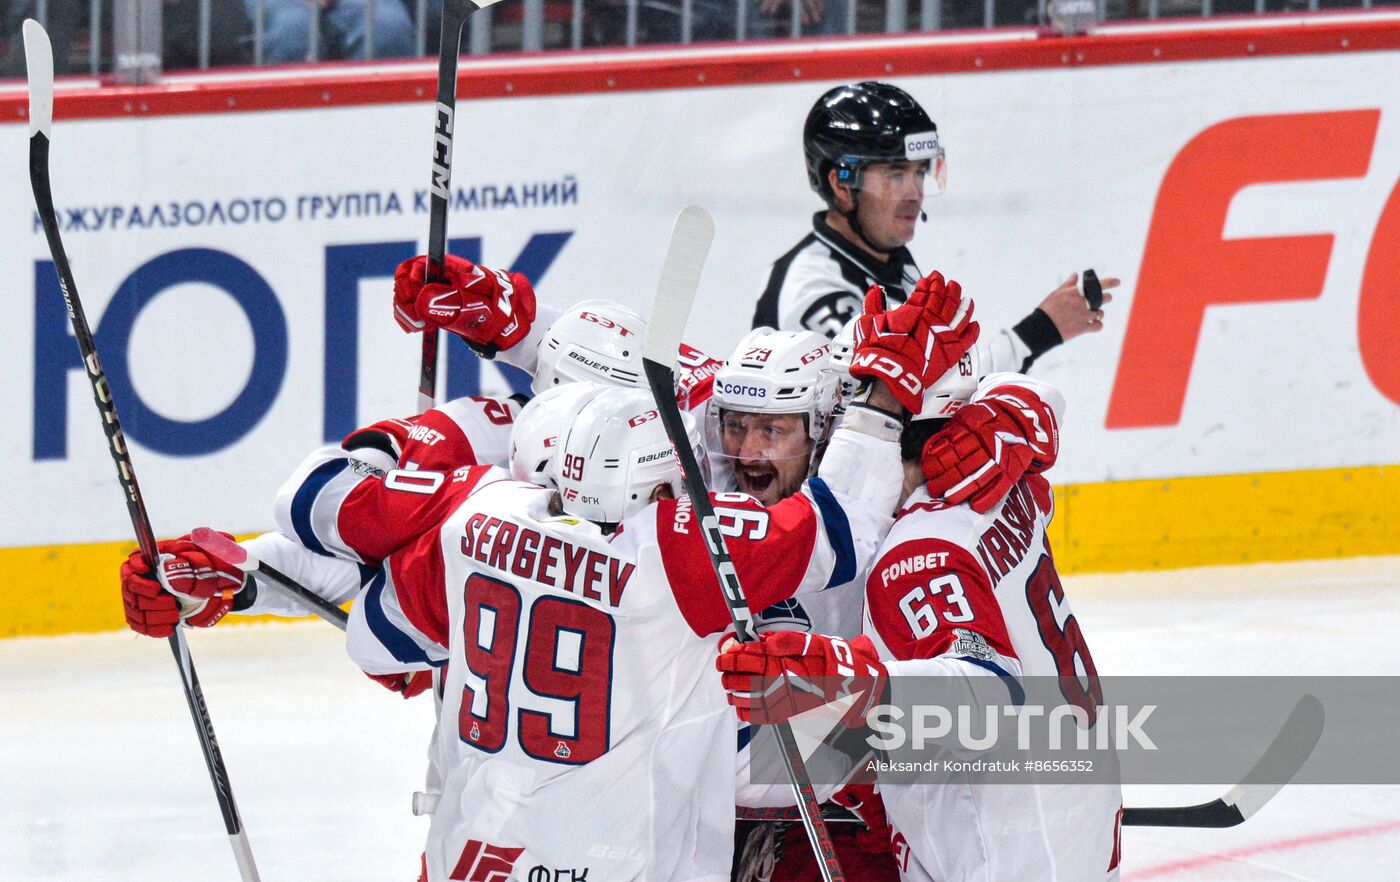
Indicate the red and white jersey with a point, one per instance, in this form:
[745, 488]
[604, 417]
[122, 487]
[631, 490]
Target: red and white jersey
[954, 593]
[583, 727]
[463, 431]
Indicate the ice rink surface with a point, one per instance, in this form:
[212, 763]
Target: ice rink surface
[101, 776]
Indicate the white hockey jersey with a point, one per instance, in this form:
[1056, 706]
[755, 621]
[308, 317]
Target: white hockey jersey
[583, 728]
[957, 594]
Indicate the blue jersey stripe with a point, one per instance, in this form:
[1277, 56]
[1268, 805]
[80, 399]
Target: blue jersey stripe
[1013, 685]
[401, 646]
[838, 532]
[305, 499]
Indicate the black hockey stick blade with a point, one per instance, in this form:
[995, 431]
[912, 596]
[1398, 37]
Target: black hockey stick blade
[38, 61]
[691, 236]
[1290, 749]
[1091, 289]
[231, 552]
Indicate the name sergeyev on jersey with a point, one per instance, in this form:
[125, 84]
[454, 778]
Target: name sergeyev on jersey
[509, 547]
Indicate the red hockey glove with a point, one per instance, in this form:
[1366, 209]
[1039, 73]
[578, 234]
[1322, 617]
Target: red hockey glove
[407, 684]
[388, 436]
[911, 346]
[487, 308]
[866, 804]
[785, 673]
[989, 445]
[192, 586]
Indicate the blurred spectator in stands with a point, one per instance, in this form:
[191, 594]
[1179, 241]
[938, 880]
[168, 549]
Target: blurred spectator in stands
[659, 21]
[770, 19]
[287, 25]
[63, 21]
[230, 35]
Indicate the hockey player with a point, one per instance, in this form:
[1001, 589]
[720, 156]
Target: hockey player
[596, 340]
[874, 157]
[958, 594]
[601, 574]
[497, 315]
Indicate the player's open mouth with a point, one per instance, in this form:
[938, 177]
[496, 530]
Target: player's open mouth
[755, 480]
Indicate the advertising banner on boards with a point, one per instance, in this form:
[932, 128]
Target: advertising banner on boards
[236, 267]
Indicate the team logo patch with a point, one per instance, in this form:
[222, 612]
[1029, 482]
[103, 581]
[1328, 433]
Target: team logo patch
[972, 644]
[364, 469]
[483, 862]
[562, 751]
[787, 615]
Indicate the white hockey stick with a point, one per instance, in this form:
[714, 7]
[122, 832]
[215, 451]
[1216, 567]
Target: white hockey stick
[1290, 748]
[675, 294]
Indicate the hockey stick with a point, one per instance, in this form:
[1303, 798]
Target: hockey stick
[1290, 748]
[675, 294]
[454, 20]
[232, 553]
[38, 58]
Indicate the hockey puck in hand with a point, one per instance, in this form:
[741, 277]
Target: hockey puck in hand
[1091, 289]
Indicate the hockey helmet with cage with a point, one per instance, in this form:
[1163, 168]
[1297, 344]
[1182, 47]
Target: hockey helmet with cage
[535, 435]
[774, 372]
[614, 454]
[595, 340]
[855, 125]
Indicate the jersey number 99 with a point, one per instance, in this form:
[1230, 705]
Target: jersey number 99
[568, 649]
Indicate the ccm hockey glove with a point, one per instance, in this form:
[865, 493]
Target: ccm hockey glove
[989, 445]
[912, 345]
[190, 585]
[490, 309]
[785, 673]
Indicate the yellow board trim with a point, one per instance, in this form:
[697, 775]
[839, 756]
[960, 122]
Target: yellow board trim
[1175, 523]
[1098, 528]
[70, 589]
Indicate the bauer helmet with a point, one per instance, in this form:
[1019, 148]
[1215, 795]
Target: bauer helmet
[535, 435]
[595, 340]
[770, 373]
[855, 125]
[614, 454]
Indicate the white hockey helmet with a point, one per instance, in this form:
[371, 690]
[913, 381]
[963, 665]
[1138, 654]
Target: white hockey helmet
[595, 340]
[843, 346]
[775, 372]
[946, 395]
[535, 435]
[613, 455]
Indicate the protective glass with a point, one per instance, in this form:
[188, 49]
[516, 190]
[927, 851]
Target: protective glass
[751, 451]
[917, 181]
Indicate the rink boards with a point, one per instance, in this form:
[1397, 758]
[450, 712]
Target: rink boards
[233, 238]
